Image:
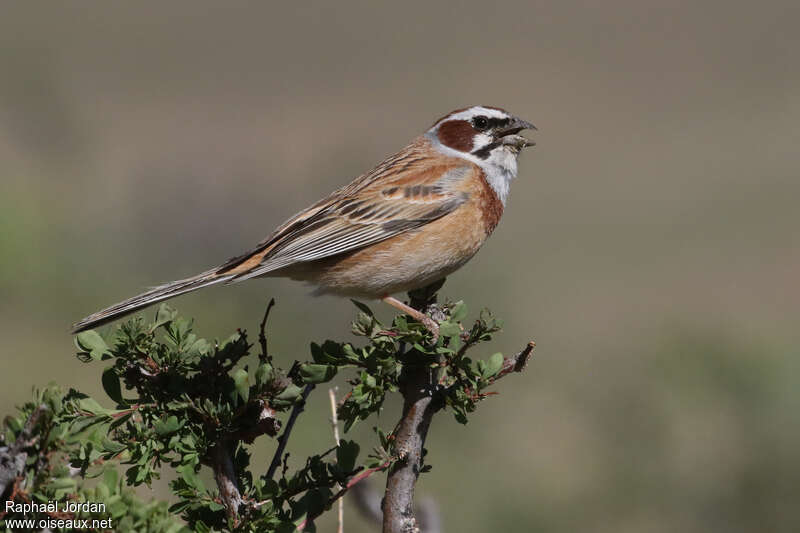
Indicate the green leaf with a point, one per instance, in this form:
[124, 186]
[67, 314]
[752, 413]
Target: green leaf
[263, 374]
[164, 315]
[449, 329]
[364, 324]
[330, 352]
[346, 455]
[116, 507]
[198, 347]
[290, 393]
[286, 527]
[111, 478]
[63, 486]
[312, 373]
[14, 424]
[350, 354]
[400, 323]
[240, 381]
[422, 349]
[381, 437]
[493, 365]
[363, 307]
[92, 343]
[168, 426]
[459, 312]
[90, 405]
[112, 446]
[190, 477]
[315, 504]
[111, 385]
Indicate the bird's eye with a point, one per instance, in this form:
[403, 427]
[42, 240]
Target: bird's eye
[480, 123]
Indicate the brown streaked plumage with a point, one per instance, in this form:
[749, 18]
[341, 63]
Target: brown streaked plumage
[416, 217]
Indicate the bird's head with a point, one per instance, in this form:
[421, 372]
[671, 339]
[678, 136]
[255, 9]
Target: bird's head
[481, 132]
[487, 136]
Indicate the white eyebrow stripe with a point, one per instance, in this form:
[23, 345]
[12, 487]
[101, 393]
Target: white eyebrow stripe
[476, 110]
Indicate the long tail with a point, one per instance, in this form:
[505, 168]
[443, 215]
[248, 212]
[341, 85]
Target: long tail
[156, 294]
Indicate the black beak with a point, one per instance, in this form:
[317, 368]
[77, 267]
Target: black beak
[508, 135]
[515, 126]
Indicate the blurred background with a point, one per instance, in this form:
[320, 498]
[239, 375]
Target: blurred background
[651, 244]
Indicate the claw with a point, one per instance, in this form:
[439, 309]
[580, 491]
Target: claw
[421, 317]
[432, 326]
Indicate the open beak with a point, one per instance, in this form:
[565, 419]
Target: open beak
[508, 136]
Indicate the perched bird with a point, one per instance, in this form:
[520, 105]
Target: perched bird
[412, 220]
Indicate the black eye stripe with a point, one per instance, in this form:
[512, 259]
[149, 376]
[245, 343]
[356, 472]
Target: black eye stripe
[498, 122]
[483, 123]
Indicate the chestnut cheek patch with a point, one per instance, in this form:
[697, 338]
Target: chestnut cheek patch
[456, 134]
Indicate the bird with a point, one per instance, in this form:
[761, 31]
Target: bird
[415, 218]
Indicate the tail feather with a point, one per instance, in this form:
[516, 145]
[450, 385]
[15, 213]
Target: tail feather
[156, 294]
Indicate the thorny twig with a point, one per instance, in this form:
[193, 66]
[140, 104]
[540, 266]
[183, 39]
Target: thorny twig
[419, 406]
[418, 410]
[517, 363]
[284, 438]
[335, 424]
[225, 476]
[262, 337]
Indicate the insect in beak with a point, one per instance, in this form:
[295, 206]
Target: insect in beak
[509, 137]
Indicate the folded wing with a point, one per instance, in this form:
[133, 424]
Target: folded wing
[382, 206]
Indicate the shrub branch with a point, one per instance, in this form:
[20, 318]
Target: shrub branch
[193, 405]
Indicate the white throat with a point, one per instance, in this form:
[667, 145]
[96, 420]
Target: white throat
[500, 167]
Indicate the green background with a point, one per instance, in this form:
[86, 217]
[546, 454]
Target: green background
[650, 245]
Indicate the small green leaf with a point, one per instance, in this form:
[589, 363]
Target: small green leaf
[263, 374]
[92, 343]
[364, 324]
[190, 477]
[112, 446]
[422, 349]
[312, 373]
[459, 312]
[13, 424]
[493, 365]
[165, 427]
[63, 486]
[400, 323]
[286, 527]
[290, 394]
[116, 507]
[164, 315]
[111, 478]
[449, 329]
[346, 455]
[363, 307]
[111, 385]
[240, 382]
[90, 405]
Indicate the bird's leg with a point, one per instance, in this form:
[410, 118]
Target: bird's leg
[421, 317]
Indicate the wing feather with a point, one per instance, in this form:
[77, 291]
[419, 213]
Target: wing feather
[375, 207]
